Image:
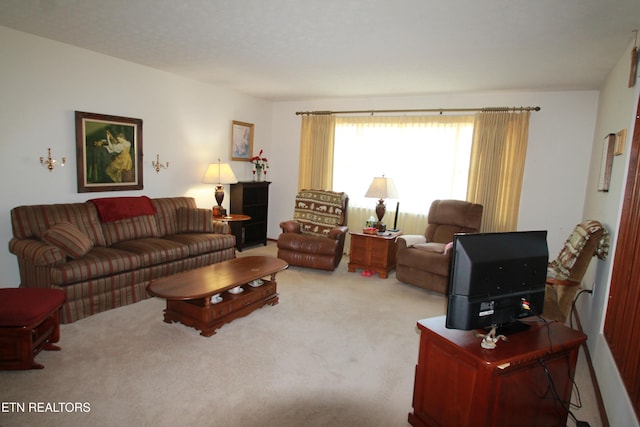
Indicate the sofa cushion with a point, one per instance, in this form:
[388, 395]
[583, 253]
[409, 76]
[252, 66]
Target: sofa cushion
[154, 251]
[318, 211]
[69, 238]
[138, 227]
[100, 261]
[202, 243]
[167, 213]
[33, 221]
[194, 220]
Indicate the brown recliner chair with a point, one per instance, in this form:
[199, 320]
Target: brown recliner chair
[315, 237]
[422, 260]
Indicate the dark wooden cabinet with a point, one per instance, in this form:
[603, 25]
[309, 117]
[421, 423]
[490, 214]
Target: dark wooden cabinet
[525, 381]
[250, 198]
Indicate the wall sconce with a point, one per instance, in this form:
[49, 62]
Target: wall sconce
[50, 162]
[157, 165]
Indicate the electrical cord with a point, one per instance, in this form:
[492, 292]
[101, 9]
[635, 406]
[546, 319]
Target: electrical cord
[573, 304]
[556, 397]
[551, 387]
[531, 309]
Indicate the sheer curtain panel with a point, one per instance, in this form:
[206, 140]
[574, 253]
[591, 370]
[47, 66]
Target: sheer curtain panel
[497, 167]
[426, 156]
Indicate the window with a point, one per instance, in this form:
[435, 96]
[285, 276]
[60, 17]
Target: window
[427, 157]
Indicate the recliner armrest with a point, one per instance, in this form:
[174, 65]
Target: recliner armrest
[568, 282]
[409, 240]
[290, 226]
[338, 231]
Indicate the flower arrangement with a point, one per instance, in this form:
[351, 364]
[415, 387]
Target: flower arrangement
[260, 164]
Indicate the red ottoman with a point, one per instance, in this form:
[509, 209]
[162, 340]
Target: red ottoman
[28, 323]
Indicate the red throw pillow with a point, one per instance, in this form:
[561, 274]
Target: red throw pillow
[69, 238]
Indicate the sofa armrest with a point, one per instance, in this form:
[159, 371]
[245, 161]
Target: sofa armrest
[37, 252]
[410, 240]
[221, 227]
[290, 226]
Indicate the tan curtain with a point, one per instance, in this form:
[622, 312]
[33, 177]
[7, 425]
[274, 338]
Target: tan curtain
[316, 152]
[497, 166]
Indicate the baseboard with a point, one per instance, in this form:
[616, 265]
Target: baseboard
[600, 402]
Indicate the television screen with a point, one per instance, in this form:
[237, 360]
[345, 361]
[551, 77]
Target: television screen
[496, 279]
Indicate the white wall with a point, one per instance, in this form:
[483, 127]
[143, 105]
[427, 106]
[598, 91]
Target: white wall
[43, 82]
[616, 111]
[558, 155]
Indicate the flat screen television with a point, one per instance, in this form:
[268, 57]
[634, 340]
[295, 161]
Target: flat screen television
[497, 279]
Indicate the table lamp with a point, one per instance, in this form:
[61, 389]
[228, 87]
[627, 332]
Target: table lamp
[219, 174]
[382, 188]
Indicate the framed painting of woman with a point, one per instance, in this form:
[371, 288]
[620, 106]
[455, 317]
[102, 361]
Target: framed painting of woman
[109, 152]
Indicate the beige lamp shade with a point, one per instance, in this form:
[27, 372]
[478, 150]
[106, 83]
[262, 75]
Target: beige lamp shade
[382, 188]
[219, 173]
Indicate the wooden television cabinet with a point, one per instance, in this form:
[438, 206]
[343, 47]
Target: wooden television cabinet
[458, 383]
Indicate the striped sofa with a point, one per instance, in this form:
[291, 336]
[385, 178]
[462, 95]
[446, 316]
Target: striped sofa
[103, 263]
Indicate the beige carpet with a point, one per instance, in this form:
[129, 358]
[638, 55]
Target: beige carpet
[338, 350]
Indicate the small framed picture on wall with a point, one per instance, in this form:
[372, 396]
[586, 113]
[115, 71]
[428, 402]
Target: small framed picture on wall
[241, 141]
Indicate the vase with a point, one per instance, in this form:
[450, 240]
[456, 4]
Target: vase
[257, 176]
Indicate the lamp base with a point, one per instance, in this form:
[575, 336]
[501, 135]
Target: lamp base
[380, 211]
[219, 198]
[380, 226]
[219, 211]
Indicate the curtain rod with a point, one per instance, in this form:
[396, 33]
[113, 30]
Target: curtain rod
[421, 110]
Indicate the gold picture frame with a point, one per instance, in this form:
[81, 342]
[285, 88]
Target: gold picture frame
[109, 152]
[241, 140]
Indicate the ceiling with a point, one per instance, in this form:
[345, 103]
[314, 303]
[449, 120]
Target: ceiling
[301, 49]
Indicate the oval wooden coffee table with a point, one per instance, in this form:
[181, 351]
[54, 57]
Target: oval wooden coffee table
[189, 294]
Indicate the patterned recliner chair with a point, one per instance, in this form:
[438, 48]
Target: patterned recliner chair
[315, 237]
[565, 273]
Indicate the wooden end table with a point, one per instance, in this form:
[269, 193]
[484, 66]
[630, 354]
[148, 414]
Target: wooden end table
[189, 293]
[235, 223]
[373, 252]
